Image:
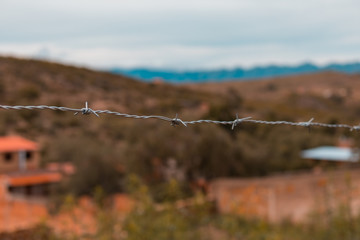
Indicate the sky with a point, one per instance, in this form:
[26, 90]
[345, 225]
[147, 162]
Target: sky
[186, 34]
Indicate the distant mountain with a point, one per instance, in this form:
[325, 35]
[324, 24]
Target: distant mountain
[233, 74]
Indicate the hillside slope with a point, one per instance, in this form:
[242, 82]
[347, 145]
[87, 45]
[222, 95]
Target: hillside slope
[32, 82]
[325, 84]
[144, 146]
[39, 82]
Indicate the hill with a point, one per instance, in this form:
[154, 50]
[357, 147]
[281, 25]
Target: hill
[40, 82]
[222, 75]
[145, 146]
[33, 82]
[322, 84]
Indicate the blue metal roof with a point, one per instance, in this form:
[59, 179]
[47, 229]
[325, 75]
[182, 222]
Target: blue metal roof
[331, 154]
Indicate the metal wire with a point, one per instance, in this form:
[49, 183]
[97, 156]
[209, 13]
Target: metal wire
[177, 121]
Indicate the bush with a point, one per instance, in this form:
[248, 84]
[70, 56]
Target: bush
[29, 92]
[96, 164]
[2, 88]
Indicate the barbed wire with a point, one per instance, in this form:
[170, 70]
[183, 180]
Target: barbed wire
[177, 121]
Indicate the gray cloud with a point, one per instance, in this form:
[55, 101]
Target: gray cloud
[197, 33]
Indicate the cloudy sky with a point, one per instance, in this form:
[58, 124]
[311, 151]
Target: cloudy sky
[186, 34]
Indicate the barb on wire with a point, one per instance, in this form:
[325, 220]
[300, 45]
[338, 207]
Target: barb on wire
[177, 121]
[237, 121]
[87, 111]
[307, 124]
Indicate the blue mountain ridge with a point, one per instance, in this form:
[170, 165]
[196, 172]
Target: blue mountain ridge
[173, 76]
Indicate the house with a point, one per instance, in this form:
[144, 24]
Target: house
[18, 154]
[24, 185]
[20, 172]
[337, 155]
[295, 196]
[342, 155]
[25, 188]
[292, 197]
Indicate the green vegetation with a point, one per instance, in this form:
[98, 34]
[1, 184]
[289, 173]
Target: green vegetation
[169, 220]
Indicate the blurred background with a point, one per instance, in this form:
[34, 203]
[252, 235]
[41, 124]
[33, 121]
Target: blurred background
[83, 177]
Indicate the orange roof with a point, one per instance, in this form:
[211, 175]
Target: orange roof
[16, 143]
[33, 178]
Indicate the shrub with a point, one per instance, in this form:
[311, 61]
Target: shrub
[29, 92]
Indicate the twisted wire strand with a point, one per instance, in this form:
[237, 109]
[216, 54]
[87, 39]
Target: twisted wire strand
[177, 121]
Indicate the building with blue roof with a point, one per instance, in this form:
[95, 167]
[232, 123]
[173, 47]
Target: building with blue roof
[332, 154]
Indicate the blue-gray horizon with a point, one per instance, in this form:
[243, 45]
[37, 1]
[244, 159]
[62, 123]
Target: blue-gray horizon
[185, 35]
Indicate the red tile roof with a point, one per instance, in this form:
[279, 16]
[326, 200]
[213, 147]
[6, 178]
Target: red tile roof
[33, 178]
[16, 143]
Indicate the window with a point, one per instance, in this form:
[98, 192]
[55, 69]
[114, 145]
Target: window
[29, 190]
[8, 157]
[18, 191]
[29, 156]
